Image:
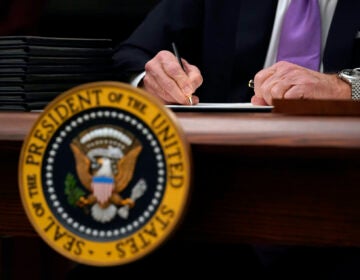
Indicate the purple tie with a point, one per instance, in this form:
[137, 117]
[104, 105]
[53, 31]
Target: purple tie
[300, 38]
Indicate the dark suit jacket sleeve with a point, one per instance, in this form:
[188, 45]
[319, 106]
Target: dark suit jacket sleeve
[170, 20]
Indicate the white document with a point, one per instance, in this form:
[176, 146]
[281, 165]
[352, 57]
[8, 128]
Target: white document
[221, 107]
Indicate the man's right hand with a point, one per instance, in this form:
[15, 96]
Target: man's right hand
[166, 79]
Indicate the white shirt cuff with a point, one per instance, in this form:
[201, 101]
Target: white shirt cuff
[137, 79]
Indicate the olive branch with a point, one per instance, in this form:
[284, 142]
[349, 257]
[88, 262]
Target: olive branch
[72, 191]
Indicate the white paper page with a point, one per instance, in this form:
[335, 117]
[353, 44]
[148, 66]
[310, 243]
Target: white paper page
[220, 106]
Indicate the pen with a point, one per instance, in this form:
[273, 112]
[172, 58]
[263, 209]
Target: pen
[176, 53]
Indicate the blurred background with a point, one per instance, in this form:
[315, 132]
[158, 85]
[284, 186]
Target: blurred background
[113, 19]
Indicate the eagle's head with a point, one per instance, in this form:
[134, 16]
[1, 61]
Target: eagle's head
[104, 167]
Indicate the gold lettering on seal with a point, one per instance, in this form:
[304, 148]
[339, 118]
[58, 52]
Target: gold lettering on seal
[69, 242]
[166, 134]
[148, 234]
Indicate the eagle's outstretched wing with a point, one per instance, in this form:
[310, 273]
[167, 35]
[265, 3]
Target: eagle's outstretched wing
[126, 168]
[82, 166]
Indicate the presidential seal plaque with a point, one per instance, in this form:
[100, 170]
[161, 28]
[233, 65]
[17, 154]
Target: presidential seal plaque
[104, 174]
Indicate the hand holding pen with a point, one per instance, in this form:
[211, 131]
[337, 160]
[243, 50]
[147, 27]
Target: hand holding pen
[166, 79]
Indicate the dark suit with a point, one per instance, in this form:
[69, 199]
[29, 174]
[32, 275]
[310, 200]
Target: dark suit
[228, 41]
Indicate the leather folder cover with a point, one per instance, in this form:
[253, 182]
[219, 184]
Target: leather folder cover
[55, 41]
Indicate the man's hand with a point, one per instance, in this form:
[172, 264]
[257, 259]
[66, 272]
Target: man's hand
[166, 79]
[290, 81]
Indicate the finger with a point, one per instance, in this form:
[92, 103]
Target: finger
[262, 84]
[264, 75]
[297, 92]
[255, 100]
[194, 74]
[279, 88]
[195, 99]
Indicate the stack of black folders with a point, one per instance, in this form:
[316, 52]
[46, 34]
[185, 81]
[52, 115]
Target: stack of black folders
[34, 70]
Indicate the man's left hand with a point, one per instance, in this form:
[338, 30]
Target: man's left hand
[291, 81]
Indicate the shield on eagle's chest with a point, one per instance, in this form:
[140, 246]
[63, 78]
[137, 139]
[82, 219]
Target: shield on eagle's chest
[102, 188]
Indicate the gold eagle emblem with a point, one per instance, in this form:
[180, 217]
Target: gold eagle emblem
[105, 161]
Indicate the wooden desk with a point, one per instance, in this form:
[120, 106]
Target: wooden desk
[258, 178]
